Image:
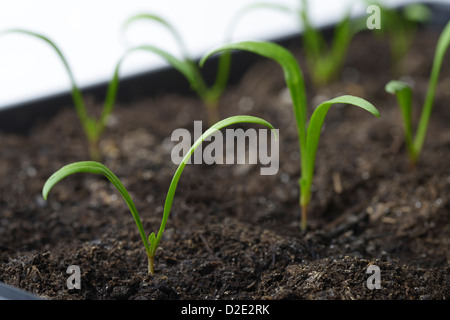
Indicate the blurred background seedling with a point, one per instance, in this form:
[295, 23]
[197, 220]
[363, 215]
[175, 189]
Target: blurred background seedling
[210, 95]
[93, 127]
[399, 26]
[324, 59]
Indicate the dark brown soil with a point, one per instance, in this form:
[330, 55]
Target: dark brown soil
[233, 233]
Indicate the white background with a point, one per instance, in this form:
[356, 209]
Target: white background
[89, 34]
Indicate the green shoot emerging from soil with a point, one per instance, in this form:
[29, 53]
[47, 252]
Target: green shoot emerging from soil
[93, 128]
[403, 92]
[324, 60]
[308, 137]
[152, 241]
[188, 68]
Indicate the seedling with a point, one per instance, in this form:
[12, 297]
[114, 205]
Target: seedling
[209, 95]
[308, 136]
[324, 61]
[399, 26]
[93, 128]
[152, 241]
[403, 92]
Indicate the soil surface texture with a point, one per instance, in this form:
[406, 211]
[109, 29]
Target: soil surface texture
[232, 232]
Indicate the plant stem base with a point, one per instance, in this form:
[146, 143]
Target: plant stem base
[94, 151]
[303, 222]
[151, 269]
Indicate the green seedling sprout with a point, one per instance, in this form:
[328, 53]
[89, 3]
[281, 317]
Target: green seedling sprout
[210, 96]
[324, 60]
[93, 128]
[403, 93]
[400, 26]
[308, 135]
[151, 242]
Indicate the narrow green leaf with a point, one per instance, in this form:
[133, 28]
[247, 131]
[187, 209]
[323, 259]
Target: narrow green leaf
[155, 18]
[417, 12]
[341, 41]
[76, 93]
[441, 48]
[396, 87]
[403, 93]
[314, 42]
[292, 74]
[110, 99]
[173, 185]
[325, 61]
[222, 76]
[96, 168]
[151, 241]
[314, 129]
[184, 67]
